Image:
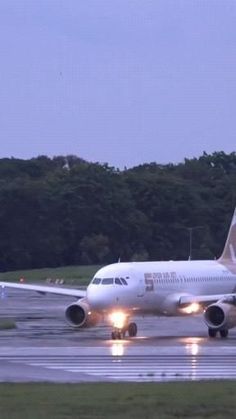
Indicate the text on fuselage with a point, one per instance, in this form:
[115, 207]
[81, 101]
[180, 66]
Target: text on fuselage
[151, 278]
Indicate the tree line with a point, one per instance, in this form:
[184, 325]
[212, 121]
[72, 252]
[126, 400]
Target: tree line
[67, 211]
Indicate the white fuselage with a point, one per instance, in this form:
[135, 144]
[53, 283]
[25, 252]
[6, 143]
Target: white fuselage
[155, 287]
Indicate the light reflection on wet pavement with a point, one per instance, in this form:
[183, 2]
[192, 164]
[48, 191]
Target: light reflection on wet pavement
[44, 348]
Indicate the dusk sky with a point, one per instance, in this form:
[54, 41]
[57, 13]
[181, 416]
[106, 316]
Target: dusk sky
[117, 81]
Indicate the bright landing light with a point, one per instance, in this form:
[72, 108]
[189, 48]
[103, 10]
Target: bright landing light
[118, 319]
[192, 308]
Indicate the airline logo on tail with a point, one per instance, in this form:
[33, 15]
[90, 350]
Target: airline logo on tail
[232, 253]
[228, 257]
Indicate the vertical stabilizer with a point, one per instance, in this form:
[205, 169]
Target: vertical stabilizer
[229, 253]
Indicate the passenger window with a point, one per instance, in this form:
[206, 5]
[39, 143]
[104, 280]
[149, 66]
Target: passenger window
[107, 281]
[118, 281]
[96, 281]
[124, 281]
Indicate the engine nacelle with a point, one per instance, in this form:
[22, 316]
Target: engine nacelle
[220, 316]
[79, 315]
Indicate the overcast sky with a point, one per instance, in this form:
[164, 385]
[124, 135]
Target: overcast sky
[117, 81]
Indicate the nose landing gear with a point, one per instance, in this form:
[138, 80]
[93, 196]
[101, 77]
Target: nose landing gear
[116, 334]
[119, 333]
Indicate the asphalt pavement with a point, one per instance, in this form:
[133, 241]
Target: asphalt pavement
[43, 347]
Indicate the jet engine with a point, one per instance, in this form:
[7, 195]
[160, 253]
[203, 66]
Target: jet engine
[220, 315]
[79, 315]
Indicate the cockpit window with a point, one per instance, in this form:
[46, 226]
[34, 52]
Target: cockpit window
[124, 281]
[107, 281]
[96, 281]
[118, 281]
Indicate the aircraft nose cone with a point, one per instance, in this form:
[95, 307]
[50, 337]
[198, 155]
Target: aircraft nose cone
[101, 298]
[96, 297]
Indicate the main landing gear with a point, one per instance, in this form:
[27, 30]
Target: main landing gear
[213, 332]
[118, 333]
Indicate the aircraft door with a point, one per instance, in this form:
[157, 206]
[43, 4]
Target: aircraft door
[141, 288]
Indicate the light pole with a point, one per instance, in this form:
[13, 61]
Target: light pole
[190, 230]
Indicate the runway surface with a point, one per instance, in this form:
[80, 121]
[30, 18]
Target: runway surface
[45, 348]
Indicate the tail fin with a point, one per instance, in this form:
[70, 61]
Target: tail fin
[229, 253]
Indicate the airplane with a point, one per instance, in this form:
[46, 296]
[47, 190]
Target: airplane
[173, 288]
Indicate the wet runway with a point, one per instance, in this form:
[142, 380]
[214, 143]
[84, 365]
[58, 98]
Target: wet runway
[45, 348]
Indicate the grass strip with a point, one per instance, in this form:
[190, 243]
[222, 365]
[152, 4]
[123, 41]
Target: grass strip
[7, 324]
[214, 399]
[71, 275]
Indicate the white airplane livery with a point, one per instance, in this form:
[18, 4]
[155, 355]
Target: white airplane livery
[174, 288]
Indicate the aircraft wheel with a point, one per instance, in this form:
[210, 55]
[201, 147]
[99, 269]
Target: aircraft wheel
[115, 335]
[132, 329]
[224, 333]
[212, 333]
[123, 332]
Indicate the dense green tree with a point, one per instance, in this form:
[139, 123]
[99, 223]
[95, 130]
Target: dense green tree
[65, 210]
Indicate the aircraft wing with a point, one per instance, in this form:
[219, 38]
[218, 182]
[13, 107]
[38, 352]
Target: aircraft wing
[205, 299]
[44, 289]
